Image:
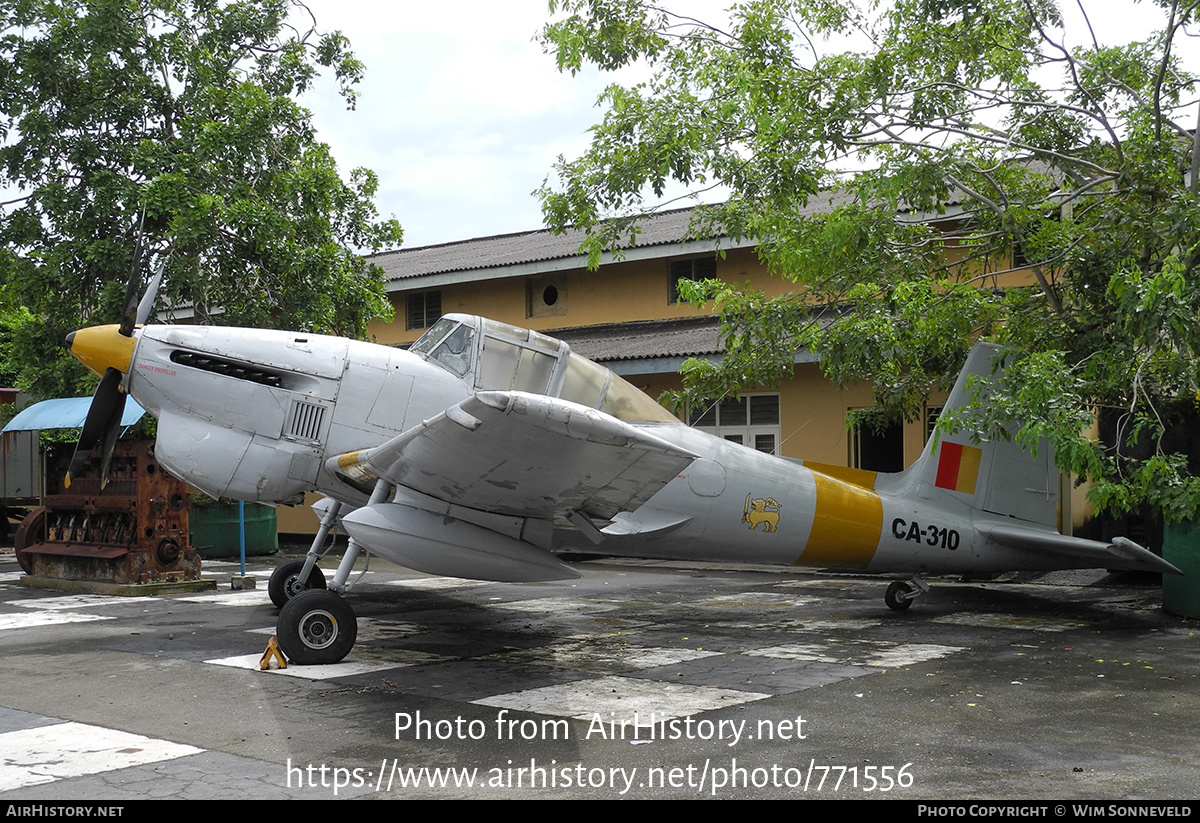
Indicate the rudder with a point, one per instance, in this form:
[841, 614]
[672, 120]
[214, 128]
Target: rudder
[994, 475]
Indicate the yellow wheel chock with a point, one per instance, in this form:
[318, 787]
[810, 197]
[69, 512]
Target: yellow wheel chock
[272, 652]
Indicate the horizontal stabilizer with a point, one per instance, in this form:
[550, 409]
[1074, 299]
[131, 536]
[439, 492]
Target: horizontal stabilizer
[1121, 553]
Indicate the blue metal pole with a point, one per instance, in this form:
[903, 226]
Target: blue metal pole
[242, 532]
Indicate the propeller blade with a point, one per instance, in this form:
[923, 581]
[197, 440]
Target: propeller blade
[108, 395]
[147, 305]
[129, 313]
[108, 403]
[111, 432]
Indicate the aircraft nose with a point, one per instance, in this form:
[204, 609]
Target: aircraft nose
[101, 348]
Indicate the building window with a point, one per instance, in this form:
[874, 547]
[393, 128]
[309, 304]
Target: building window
[932, 413]
[1019, 260]
[751, 420]
[423, 309]
[879, 450]
[697, 268]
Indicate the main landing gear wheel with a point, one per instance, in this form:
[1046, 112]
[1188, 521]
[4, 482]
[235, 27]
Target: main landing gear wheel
[899, 596]
[285, 581]
[316, 627]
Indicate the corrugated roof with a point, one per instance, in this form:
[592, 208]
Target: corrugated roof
[681, 337]
[503, 250]
[523, 247]
[66, 413]
[638, 339]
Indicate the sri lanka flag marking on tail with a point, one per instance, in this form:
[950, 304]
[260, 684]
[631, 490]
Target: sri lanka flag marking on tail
[958, 467]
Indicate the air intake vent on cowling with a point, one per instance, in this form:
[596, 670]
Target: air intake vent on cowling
[229, 368]
[304, 423]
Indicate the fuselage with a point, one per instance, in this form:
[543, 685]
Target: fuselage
[256, 415]
[752, 507]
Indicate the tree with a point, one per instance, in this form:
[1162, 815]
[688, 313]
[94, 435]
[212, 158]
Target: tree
[179, 115]
[1072, 166]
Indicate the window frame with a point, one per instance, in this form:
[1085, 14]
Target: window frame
[685, 269]
[743, 431]
[427, 316]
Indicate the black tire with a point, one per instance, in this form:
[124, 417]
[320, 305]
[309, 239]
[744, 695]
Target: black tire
[316, 628]
[285, 581]
[893, 597]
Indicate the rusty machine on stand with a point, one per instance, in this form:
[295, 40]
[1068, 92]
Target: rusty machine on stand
[134, 530]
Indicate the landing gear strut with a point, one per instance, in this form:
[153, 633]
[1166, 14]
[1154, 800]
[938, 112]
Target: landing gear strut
[295, 576]
[900, 595]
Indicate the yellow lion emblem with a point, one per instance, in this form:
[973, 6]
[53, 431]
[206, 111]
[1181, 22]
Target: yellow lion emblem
[763, 510]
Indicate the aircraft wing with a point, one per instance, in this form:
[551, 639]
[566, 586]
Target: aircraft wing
[1121, 553]
[521, 454]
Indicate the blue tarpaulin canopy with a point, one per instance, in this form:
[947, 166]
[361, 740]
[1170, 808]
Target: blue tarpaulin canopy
[66, 413]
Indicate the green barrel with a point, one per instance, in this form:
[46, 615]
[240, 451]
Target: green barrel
[1181, 547]
[214, 530]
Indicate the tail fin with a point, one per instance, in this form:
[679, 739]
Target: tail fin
[993, 474]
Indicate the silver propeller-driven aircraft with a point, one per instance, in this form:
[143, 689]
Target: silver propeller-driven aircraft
[485, 449]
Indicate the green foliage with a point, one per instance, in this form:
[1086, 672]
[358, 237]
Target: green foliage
[184, 110]
[897, 162]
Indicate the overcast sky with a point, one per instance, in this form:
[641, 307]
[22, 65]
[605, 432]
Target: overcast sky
[460, 113]
[462, 116]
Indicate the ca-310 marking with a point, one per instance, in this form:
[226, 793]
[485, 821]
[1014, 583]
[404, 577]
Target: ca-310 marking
[933, 536]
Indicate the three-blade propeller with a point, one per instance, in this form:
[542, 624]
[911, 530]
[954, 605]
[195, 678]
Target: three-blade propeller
[103, 422]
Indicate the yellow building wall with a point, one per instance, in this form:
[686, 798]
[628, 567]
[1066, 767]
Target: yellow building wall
[298, 519]
[617, 292]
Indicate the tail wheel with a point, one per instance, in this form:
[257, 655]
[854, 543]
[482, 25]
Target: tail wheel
[285, 581]
[899, 596]
[316, 627]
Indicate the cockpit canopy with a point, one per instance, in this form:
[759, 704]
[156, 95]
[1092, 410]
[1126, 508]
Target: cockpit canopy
[496, 355]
